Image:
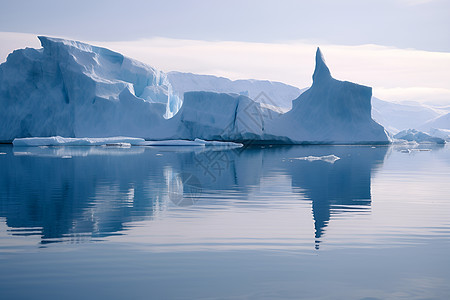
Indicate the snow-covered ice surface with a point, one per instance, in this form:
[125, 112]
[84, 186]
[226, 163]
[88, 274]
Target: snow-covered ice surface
[73, 89]
[61, 141]
[330, 112]
[413, 135]
[326, 158]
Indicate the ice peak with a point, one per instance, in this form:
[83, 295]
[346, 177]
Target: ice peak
[321, 72]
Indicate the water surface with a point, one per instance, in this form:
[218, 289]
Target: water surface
[255, 223]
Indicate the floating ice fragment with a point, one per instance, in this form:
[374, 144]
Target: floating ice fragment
[327, 158]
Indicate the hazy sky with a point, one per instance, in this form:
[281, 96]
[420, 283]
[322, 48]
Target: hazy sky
[419, 24]
[260, 39]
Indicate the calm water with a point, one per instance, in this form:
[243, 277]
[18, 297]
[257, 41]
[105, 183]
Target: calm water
[186, 223]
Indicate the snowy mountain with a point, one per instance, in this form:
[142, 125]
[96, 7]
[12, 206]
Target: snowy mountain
[441, 133]
[268, 93]
[397, 117]
[331, 111]
[441, 122]
[73, 89]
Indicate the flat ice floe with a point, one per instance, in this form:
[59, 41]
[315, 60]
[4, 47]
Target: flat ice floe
[115, 142]
[61, 141]
[75, 151]
[326, 158]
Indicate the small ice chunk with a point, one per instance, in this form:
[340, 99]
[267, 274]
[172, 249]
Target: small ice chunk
[420, 150]
[326, 158]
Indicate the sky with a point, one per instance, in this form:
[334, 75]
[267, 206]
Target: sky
[399, 47]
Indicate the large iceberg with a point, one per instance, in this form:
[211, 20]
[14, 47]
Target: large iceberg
[73, 89]
[330, 112]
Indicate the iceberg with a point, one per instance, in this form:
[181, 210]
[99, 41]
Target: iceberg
[330, 112]
[70, 152]
[73, 89]
[418, 136]
[221, 117]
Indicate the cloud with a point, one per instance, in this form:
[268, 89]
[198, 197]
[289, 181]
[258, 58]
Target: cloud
[395, 74]
[415, 2]
[9, 41]
[432, 96]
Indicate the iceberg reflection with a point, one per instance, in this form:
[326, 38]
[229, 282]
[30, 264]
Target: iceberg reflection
[101, 192]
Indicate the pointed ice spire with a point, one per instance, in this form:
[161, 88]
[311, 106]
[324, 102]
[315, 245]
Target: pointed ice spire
[321, 72]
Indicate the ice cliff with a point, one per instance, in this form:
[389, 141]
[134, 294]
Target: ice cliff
[220, 116]
[73, 89]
